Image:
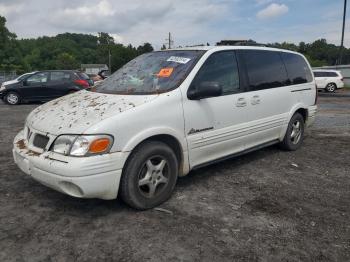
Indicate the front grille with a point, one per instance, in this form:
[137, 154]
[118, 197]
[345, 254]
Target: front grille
[40, 141]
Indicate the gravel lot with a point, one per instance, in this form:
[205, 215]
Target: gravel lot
[268, 205]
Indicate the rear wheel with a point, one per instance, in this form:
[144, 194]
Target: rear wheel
[150, 175]
[12, 98]
[295, 133]
[331, 87]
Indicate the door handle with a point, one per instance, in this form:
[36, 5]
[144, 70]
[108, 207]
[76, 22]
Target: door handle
[255, 100]
[241, 102]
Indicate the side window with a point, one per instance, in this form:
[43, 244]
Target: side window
[297, 68]
[265, 69]
[59, 76]
[321, 74]
[318, 74]
[220, 67]
[332, 74]
[38, 78]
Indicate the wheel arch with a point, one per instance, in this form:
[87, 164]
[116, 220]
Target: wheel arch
[304, 112]
[298, 108]
[334, 83]
[170, 139]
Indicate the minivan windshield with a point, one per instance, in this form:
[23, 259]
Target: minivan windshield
[151, 73]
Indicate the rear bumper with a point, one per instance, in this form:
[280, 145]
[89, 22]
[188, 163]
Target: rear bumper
[85, 177]
[312, 110]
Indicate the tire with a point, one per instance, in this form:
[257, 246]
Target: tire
[294, 136]
[12, 98]
[331, 87]
[149, 176]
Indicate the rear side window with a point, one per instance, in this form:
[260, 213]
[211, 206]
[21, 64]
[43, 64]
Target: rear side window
[220, 67]
[332, 74]
[59, 76]
[265, 69]
[297, 68]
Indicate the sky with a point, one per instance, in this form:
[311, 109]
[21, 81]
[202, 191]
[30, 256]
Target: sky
[190, 22]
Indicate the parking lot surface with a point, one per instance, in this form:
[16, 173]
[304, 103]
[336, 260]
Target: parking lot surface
[269, 205]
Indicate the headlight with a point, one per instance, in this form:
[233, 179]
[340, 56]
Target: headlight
[84, 145]
[2, 88]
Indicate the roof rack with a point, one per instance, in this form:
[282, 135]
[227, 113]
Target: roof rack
[240, 43]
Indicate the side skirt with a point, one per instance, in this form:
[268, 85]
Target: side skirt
[246, 151]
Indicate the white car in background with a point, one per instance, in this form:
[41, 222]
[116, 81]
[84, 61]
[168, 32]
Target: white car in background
[329, 80]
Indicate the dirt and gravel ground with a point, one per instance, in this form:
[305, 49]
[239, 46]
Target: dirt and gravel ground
[268, 205]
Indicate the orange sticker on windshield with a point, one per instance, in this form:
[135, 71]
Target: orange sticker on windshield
[165, 72]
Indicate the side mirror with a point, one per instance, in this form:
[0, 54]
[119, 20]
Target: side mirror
[204, 90]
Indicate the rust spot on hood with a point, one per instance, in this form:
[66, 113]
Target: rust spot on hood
[20, 144]
[32, 153]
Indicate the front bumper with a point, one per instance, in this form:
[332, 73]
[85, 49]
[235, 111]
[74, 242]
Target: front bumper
[84, 177]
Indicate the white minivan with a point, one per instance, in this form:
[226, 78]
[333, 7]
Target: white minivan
[164, 114]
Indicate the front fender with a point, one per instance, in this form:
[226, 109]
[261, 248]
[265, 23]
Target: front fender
[155, 131]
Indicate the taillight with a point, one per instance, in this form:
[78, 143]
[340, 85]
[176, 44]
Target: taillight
[82, 83]
[316, 95]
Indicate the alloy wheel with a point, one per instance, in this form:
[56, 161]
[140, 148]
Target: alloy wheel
[296, 133]
[331, 88]
[153, 176]
[12, 99]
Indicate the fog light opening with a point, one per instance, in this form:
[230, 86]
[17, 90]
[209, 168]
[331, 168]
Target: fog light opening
[71, 189]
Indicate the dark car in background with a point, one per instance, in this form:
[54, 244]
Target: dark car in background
[45, 86]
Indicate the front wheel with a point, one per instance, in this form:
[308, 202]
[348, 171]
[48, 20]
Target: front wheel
[149, 176]
[331, 87]
[12, 98]
[295, 133]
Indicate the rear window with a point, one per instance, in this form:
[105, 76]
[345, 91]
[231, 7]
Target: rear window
[265, 69]
[297, 68]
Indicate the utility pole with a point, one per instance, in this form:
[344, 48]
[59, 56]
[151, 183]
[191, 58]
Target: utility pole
[109, 60]
[342, 36]
[170, 41]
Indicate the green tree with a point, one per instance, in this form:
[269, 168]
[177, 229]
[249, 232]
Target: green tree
[66, 61]
[10, 55]
[145, 48]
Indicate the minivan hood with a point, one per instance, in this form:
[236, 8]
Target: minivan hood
[73, 114]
